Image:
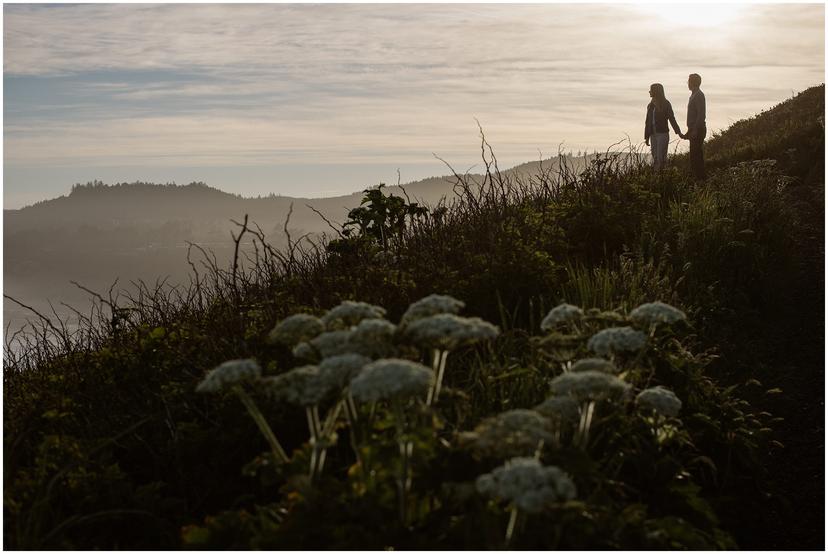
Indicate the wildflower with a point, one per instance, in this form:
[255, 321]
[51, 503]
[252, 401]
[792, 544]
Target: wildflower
[296, 329]
[561, 314]
[339, 370]
[391, 378]
[229, 373]
[235, 372]
[528, 484]
[594, 364]
[449, 331]
[432, 304]
[616, 339]
[563, 409]
[302, 386]
[373, 338]
[349, 313]
[659, 399]
[512, 432]
[657, 312]
[305, 351]
[332, 343]
[588, 385]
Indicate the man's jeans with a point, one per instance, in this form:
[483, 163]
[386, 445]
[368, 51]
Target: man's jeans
[658, 146]
[697, 153]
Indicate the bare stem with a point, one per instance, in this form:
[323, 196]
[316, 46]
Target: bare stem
[312, 414]
[435, 366]
[587, 411]
[439, 384]
[586, 421]
[261, 422]
[510, 529]
[352, 417]
[406, 450]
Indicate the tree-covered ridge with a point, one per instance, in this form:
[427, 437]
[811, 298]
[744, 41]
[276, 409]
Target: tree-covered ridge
[140, 186]
[108, 444]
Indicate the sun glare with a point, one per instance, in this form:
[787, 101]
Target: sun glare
[696, 15]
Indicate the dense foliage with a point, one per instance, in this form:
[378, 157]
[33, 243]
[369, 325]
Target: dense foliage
[109, 445]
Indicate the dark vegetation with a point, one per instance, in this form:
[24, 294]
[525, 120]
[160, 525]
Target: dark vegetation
[140, 231]
[108, 446]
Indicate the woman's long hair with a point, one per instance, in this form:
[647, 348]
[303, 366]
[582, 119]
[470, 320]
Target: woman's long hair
[659, 101]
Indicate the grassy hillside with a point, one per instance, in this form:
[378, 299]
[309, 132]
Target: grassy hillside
[101, 233]
[109, 445]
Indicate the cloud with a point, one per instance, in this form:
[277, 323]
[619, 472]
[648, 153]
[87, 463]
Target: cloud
[230, 84]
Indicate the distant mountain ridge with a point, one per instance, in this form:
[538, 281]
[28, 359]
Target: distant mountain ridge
[99, 204]
[128, 231]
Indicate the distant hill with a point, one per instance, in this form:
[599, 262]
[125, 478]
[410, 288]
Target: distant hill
[128, 231]
[100, 204]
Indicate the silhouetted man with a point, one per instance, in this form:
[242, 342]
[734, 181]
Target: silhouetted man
[696, 127]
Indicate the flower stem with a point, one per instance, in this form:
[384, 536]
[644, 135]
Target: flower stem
[435, 366]
[311, 422]
[510, 529]
[442, 369]
[587, 411]
[406, 450]
[590, 413]
[314, 438]
[315, 412]
[349, 402]
[330, 419]
[325, 431]
[261, 422]
[352, 417]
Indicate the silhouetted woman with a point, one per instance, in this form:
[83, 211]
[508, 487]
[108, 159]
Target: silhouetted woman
[656, 133]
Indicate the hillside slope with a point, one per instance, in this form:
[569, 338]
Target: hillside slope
[100, 233]
[107, 444]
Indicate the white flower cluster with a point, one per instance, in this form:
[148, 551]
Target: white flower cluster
[391, 378]
[563, 409]
[229, 373]
[304, 351]
[594, 364]
[350, 313]
[588, 385]
[339, 370]
[561, 314]
[528, 484]
[657, 312]
[512, 432]
[616, 339]
[332, 343]
[449, 331]
[373, 338]
[297, 328]
[302, 386]
[432, 304]
[659, 399]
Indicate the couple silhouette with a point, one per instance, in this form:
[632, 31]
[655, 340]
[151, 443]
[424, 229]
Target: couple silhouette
[660, 112]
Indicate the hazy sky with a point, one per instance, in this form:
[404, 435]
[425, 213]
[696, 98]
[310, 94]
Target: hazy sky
[327, 99]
